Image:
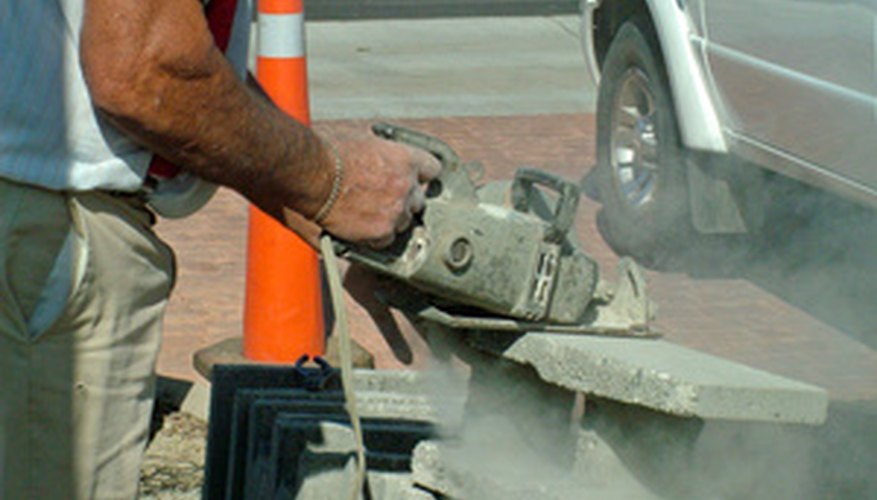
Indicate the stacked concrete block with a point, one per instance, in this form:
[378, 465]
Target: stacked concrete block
[326, 470]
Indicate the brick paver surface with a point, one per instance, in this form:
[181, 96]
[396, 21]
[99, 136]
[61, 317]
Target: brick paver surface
[768, 313]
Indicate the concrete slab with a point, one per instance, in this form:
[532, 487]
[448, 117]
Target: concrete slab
[490, 66]
[666, 377]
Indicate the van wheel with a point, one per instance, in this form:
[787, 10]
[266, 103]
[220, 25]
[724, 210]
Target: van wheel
[640, 161]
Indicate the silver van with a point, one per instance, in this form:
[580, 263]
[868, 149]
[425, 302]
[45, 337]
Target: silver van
[692, 94]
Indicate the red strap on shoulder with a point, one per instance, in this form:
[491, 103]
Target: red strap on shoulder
[220, 19]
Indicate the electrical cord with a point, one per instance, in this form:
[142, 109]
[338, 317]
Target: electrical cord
[341, 328]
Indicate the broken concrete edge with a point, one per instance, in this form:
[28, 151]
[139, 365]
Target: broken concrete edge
[663, 376]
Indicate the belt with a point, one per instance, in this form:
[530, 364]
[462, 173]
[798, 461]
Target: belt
[142, 194]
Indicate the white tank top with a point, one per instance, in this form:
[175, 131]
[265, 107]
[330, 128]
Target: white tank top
[50, 135]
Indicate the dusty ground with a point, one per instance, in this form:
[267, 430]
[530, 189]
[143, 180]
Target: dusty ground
[174, 464]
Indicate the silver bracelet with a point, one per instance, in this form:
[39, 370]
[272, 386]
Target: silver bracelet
[336, 187]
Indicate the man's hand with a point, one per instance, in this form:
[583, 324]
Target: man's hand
[380, 190]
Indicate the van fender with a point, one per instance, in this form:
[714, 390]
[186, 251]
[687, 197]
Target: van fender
[699, 124]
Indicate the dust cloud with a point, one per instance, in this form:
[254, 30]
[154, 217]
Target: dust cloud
[519, 440]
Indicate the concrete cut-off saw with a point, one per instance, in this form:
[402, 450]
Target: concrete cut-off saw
[502, 256]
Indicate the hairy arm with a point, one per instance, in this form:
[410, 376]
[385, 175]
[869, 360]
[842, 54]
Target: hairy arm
[152, 68]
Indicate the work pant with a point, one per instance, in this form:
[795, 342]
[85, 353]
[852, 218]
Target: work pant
[83, 287]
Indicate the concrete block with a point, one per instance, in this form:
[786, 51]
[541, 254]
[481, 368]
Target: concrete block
[395, 406]
[395, 485]
[411, 395]
[326, 471]
[336, 483]
[319, 482]
[464, 472]
[664, 376]
[401, 381]
[594, 461]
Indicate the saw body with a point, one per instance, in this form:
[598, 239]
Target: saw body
[503, 247]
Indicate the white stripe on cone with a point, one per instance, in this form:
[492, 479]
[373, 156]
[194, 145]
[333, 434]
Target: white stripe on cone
[281, 35]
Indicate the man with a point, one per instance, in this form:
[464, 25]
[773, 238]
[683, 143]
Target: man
[90, 90]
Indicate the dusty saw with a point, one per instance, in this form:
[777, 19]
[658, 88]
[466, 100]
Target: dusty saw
[500, 256]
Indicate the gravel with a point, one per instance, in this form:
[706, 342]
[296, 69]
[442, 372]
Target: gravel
[174, 465]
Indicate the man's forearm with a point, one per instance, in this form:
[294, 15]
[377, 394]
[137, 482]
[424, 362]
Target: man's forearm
[154, 71]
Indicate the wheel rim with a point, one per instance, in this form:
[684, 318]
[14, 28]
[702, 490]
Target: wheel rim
[634, 140]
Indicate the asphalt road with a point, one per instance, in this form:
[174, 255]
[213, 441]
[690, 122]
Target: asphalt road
[447, 67]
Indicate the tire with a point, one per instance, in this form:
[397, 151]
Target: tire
[640, 172]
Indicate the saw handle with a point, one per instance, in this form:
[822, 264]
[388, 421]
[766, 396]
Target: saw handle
[567, 202]
[430, 144]
[453, 181]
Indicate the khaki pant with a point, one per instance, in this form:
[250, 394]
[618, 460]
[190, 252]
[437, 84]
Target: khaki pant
[83, 286]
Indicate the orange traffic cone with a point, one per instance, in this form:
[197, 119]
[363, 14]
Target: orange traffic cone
[283, 312]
